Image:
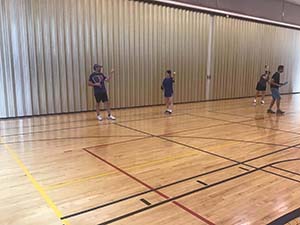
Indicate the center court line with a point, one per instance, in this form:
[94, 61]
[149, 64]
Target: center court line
[153, 189]
[35, 184]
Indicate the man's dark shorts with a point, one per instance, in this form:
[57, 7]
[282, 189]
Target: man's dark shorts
[101, 97]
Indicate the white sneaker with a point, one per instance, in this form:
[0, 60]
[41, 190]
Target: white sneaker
[170, 110]
[99, 118]
[262, 102]
[111, 117]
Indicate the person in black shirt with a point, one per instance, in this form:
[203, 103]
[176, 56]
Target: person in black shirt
[167, 87]
[275, 85]
[97, 80]
[262, 85]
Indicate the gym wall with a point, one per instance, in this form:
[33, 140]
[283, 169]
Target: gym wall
[242, 49]
[48, 49]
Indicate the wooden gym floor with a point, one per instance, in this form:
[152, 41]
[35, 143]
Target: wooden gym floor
[222, 162]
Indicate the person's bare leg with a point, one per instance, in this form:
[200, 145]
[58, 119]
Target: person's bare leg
[171, 103]
[98, 111]
[263, 94]
[167, 103]
[271, 106]
[107, 107]
[98, 108]
[255, 97]
[278, 104]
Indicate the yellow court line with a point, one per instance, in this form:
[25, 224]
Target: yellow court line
[138, 166]
[36, 185]
[77, 180]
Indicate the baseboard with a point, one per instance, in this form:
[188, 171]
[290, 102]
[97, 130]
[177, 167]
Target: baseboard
[134, 107]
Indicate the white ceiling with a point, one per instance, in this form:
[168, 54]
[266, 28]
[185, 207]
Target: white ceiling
[294, 1]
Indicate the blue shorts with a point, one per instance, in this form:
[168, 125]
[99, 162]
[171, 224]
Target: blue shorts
[275, 93]
[168, 94]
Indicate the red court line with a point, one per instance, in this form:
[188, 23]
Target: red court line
[151, 188]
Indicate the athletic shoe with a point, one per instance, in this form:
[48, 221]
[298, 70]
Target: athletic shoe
[170, 111]
[262, 102]
[270, 111]
[111, 117]
[280, 112]
[99, 118]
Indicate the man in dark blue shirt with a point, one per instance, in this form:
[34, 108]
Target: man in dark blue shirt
[167, 86]
[275, 85]
[97, 80]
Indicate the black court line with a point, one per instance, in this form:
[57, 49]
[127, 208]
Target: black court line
[214, 154]
[238, 115]
[176, 182]
[243, 168]
[148, 191]
[183, 195]
[83, 120]
[284, 220]
[72, 138]
[145, 201]
[201, 182]
[48, 124]
[250, 125]
[97, 124]
[119, 142]
[226, 139]
[285, 170]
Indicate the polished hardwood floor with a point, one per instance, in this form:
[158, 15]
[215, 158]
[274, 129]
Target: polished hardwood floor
[221, 162]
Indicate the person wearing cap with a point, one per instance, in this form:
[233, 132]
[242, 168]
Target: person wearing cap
[97, 80]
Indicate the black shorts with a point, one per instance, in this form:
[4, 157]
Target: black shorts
[260, 87]
[101, 97]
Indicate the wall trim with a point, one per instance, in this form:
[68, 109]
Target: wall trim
[224, 13]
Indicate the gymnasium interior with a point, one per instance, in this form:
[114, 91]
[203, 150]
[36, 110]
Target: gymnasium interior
[181, 137]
